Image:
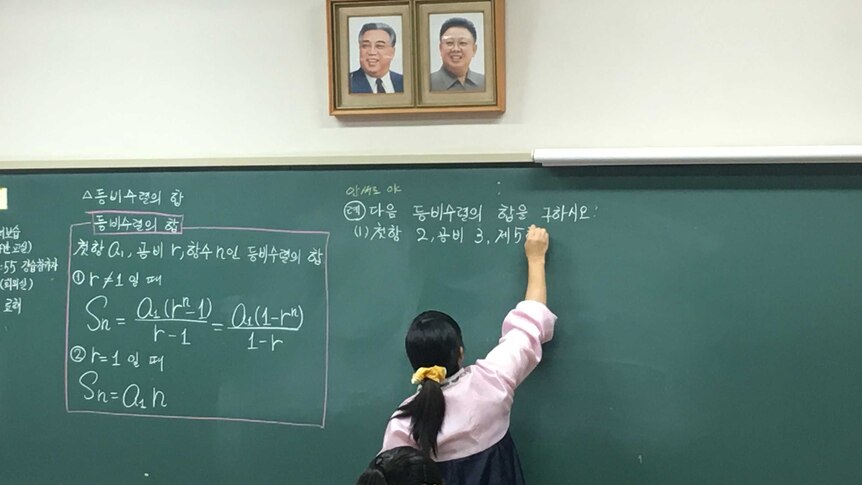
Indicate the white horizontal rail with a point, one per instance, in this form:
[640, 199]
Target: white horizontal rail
[697, 155]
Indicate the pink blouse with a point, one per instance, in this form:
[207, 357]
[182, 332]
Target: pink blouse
[479, 397]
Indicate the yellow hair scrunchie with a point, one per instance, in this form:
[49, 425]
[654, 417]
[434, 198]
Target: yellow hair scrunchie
[436, 374]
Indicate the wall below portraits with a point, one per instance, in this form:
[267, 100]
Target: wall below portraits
[190, 78]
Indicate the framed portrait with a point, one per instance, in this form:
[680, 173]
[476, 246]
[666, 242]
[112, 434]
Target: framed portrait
[457, 51]
[415, 56]
[371, 55]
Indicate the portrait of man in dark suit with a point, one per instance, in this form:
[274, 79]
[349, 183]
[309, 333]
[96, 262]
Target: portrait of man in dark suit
[376, 51]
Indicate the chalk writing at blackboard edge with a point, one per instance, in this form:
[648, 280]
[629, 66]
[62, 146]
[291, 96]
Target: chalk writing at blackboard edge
[20, 268]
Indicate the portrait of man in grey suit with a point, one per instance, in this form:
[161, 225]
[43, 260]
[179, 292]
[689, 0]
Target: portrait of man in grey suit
[458, 45]
[376, 51]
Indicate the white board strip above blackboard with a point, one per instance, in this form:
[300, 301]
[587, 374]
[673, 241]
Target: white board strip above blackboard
[697, 155]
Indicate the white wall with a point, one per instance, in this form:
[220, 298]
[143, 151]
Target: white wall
[114, 79]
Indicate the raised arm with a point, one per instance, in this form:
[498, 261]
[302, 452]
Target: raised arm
[526, 327]
[535, 249]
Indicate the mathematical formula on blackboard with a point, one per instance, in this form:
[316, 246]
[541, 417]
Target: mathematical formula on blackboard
[164, 315]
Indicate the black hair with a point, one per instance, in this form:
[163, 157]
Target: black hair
[379, 26]
[401, 466]
[434, 339]
[458, 22]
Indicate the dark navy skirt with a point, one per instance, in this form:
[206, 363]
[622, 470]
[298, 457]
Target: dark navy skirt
[498, 465]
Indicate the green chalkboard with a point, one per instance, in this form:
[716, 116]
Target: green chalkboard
[246, 326]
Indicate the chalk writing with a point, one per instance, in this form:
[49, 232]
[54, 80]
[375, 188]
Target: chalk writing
[120, 196]
[509, 213]
[132, 396]
[19, 269]
[562, 213]
[12, 305]
[453, 224]
[196, 250]
[16, 284]
[10, 232]
[378, 232]
[116, 279]
[22, 247]
[145, 323]
[371, 190]
[447, 212]
[131, 222]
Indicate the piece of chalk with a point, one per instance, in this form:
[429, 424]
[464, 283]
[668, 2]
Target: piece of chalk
[3, 201]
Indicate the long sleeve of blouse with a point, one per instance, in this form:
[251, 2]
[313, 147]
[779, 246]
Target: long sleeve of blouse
[479, 397]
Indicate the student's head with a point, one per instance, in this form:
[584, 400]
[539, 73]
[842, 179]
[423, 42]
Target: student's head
[457, 45]
[433, 343]
[376, 48]
[434, 339]
[401, 466]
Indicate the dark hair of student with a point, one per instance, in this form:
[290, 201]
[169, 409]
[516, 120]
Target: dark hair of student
[401, 466]
[434, 339]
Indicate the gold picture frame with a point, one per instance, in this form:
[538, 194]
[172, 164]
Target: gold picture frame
[390, 56]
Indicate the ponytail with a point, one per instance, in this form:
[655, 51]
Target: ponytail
[433, 344]
[426, 412]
